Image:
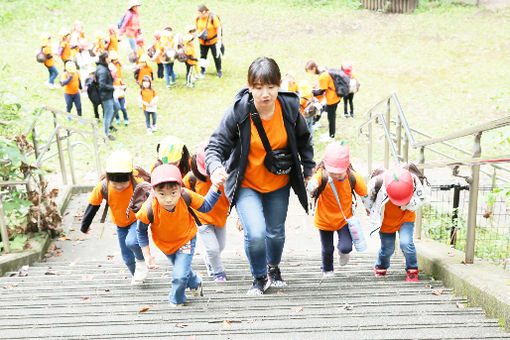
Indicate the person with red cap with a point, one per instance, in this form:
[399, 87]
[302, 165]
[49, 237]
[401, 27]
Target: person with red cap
[393, 196]
[212, 231]
[174, 227]
[333, 185]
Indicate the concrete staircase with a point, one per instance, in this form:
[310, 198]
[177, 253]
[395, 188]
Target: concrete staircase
[94, 300]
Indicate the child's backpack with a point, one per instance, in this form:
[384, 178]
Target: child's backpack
[353, 85]
[132, 57]
[151, 51]
[312, 108]
[324, 181]
[379, 181]
[181, 55]
[119, 25]
[40, 56]
[341, 81]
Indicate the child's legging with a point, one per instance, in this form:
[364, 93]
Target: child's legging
[161, 71]
[213, 238]
[96, 110]
[189, 74]
[344, 246]
[148, 118]
[73, 98]
[348, 100]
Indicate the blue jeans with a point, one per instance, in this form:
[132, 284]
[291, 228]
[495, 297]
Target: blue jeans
[73, 98]
[108, 115]
[344, 245]
[53, 73]
[182, 275]
[263, 218]
[169, 72]
[406, 244]
[129, 247]
[121, 104]
[132, 43]
[148, 118]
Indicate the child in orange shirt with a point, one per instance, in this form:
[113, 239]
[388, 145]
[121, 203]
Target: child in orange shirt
[334, 211]
[143, 69]
[50, 60]
[174, 228]
[72, 86]
[392, 208]
[64, 50]
[192, 59]
[117, 189]
[157, 54]
[112, 39]
[148, 98]
[212, 231]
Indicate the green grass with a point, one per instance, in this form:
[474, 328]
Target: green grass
[448, 64]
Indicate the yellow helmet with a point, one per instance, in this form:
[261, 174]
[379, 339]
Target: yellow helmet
[100, 35]
[45, 36]
[120, 161]
[71, 66]
[170, 149]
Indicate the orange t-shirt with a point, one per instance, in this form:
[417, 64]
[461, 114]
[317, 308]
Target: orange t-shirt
[49, 62]
[147, 96]
[171, 230]
[144, 71]
[326, 83]
[213, 23]
[118, 202]
[190, 52]
[114, 43]
[394, 217]
[73, 87]
[293, 88]
[157, 47]
[118, 66]
[66, 52]
[218, 215]
[257, 177]
[328, 215]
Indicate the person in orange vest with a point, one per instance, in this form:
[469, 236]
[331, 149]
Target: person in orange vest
[192, 60]
[210, 34]
[112, 41]
[72, 86]
[64, 50]
[50, 60]
[148, 98]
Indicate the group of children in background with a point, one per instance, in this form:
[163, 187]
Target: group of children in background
[177, 200]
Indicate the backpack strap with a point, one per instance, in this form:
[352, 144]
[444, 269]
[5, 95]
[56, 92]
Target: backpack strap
[187, 199]
[104, 193]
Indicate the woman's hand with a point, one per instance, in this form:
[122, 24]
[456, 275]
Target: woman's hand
[219, 176]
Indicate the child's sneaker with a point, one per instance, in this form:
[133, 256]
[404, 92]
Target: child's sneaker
[154, 128]
[275, 277]
[412, 275]
[220, 277]
[50, 86]
[199, 76]
[141, 271]
[199, 291]
[344, 259]
[149, 131]
[380, 271]
[259, 286]
[126, 122]
[328, 275]
[117, 121]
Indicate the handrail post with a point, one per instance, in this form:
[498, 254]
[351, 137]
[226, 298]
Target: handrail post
[60, 152]
[36, 151]
[405, 149]
[96, 148]
[399, 135]
[473, 201]
[370, 139]
[70, 154]
[419, 216]
[3, 229]
[387, 142]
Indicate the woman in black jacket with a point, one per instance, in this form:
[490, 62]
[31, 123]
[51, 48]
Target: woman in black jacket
[257, 186]
[105, 87]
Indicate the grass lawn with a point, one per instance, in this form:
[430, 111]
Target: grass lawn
[448, 64]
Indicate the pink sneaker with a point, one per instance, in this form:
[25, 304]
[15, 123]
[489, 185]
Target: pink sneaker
[380, 271]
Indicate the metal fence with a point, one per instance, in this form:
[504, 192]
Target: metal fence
[390, 6]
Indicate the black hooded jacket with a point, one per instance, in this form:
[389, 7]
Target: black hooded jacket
[229, 145]
[104, 82]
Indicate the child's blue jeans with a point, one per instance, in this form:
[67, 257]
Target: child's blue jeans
[182, 275]
[129, 247]
[53, 74]
[73, 98]
[344, 246]
[169, 72]
[406, 245]
[148, 118]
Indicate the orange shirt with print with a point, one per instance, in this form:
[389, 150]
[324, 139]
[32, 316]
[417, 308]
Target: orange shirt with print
[172, 229]
[326, 83]
[118, 202]
[394, 217]
[73, 87]
[66, 50]
[328, 215]
[213, 23]
[218, 215]
[147, 96]
[114, 43]
[257, 177]
[47, 51]
[145, 70]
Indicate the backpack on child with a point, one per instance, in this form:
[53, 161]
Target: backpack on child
[40, 56]
[341, 81]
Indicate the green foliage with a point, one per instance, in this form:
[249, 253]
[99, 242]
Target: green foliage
[10, 160]
[18, 242]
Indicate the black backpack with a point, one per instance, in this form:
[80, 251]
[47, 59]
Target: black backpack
[341, 81]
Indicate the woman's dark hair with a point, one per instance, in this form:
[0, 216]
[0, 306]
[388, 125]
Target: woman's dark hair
[311, 65]
[118, 177]
[194, 170]
[102, 58]
[203, 8]
[264, 70]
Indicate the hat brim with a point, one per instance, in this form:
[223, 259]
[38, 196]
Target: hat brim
[335, 170]
[401, 202]
[166, 180]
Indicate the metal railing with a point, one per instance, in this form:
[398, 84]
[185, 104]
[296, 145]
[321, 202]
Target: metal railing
[61, 133]
[398, 144]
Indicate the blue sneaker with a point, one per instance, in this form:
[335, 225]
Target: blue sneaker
[126, 122]
[118, 121]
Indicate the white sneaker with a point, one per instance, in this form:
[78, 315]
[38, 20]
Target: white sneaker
[200, 76]
[199, 291]
[328, 275]
[154, 128]
[149, 131]
[141, 271]
[344, 259]
[50, 86]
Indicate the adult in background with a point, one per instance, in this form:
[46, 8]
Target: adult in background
[209, 22]
[130, 26]
[326, 87]
[258, 188]
[105, 86]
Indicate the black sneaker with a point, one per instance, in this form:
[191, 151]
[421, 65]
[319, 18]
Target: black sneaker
[110, 137]
[259, 286]
[275, 277]
[220, 74]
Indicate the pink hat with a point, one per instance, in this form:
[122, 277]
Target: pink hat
[336, 157]
[200, 158]
[166, 173]
[347, 67]
[399, 185]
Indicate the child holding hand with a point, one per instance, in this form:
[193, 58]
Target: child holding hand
[174, 228]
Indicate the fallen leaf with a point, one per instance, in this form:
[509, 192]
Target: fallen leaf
[110, 257]
[180, 325]
[144, 309]
[99, 266]
[294, 264]
[347, 307]
[63, 238]
[72, 229]
[463, 262]
[438, 291]
[296, 309]
[226, 323]
[428, 286]
[52, 247]
[451, 253]
[51, 273]
[220, 291]
[85, 299]
[79, 215]
[107, 290]
[58, 252]
[9, 287]
[279, 292]
[87, 277]
[460, 305]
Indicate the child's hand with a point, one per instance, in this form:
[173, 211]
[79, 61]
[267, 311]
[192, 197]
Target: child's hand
[219, 176]
[150, 262]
